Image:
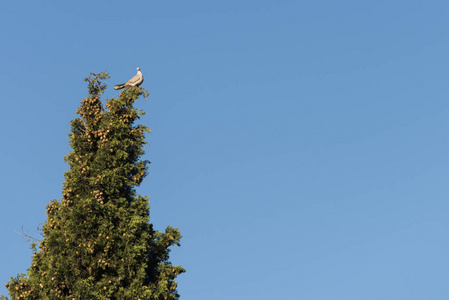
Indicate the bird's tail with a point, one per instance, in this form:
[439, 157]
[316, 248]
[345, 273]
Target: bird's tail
[119, 86]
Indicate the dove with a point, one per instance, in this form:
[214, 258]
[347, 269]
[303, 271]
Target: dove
[135, 81]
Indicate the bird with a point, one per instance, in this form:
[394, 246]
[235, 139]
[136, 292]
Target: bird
[135, 81]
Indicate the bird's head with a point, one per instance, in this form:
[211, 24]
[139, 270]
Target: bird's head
[138, 69]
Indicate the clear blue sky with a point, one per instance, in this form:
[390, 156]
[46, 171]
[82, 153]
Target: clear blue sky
[302, 147]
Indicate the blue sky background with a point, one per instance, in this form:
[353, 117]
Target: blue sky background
[302, 147]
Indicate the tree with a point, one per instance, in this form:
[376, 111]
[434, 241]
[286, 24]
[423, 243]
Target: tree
[97, 241]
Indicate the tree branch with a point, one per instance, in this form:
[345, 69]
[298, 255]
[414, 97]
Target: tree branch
[28, 238]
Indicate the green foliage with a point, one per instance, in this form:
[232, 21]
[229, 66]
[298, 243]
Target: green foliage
[98, 242]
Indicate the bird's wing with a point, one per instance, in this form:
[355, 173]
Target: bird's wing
[136, 78]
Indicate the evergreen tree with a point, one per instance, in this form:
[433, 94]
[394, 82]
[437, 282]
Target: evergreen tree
[97, 240]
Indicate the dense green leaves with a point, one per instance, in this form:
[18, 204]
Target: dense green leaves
[98, 240]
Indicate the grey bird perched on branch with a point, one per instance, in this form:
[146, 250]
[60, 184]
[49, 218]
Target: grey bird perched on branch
[135, 81]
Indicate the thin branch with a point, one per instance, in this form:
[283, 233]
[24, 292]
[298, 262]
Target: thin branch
[28, 238]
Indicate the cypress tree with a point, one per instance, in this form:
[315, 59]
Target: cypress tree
[98, 242]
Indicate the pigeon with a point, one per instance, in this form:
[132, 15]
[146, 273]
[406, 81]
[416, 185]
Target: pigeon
[135, 81]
